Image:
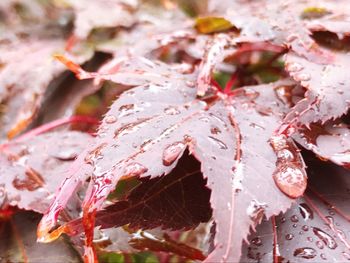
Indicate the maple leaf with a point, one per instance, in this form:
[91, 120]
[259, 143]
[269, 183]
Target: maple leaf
[168, 116]
[32, 169]
[314, 229]
[105, 13]
[18, 242]
[329, 141]
[22, 90]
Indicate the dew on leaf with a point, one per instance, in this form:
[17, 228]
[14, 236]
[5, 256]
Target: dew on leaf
[171, 111]
[305, 252]
[306, 211]
[134, 169]
[172, 152]
[218, 142]
[294, 219]
[289, 237]
[326, 238]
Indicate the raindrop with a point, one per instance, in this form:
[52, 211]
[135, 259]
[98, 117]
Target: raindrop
[302, 77]
[294, 219]
[30, 181]
[319, 244]
[306, 211]
[256, 210]
[126, 107]
[290, 179]
[256, 241]
[289, 237]
[283, 219]
[326, 238]
[171, 111]
[310, 239]
[221, 144]
[134, 169]
[65, 154]
[305, 228]
[305, 252]
[215, 130]
[109, 119]
[172, 152]
[323, 256]
[294, 225]
[346, 255]
[294, 67]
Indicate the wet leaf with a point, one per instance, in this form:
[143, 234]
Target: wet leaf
[32, 170]
[168, 116]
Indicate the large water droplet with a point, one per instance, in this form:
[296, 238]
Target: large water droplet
[134, 169]
[305, 252]
[172, 152]
[326, 238]
[290, 180]
[218, 142]
[306, 211]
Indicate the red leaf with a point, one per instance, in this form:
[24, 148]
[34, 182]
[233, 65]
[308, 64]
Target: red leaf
[216, 132]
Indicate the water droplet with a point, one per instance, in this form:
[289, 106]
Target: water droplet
[172, 152]
[294, 67]
[95, 154]
[2, 195]
[305, 228]
[30, 181]
[289, 237]
[67, 154]
[126, 107]
[171, 111]
[306, 211]
[290, 180]
[302, 77]
[283, 219]
[256, 241]
[305, 252]
[218, 142]
[294, 225]
[323, 256]
[256, 210]
[294, 219]
[134, 169]
[326, 238]
[346, 255]
[319, 244]
[109, 119]
[215, 130]
[310, 239]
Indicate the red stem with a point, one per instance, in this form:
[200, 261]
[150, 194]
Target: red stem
[275, 242]
[231, 82]
[52, 125]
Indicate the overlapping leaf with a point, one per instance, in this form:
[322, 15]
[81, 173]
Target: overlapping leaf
[313, 230]
[32, 170]
[169, 117]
